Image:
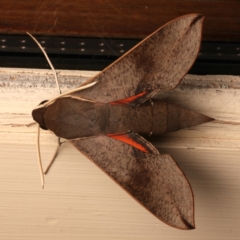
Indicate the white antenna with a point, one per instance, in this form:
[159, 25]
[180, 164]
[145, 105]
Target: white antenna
[49, 62]
[38, 129]
[48, 103]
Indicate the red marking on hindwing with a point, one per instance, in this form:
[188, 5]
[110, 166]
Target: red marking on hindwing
[130, 99]
[127, 139]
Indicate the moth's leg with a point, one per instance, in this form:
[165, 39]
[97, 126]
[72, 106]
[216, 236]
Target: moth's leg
[30, 124]
[54, 155]
[22, 125]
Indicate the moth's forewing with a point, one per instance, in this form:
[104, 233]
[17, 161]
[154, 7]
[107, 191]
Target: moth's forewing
[160, 61]
[154, 180]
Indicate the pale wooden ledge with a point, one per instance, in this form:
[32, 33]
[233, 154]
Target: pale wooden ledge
[80, 202]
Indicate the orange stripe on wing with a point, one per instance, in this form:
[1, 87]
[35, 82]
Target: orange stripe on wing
[130, 99]
[126, 139]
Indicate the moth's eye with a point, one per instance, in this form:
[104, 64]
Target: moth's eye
[43, 102]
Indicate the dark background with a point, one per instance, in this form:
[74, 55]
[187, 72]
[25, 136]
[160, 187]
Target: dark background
[90, 35]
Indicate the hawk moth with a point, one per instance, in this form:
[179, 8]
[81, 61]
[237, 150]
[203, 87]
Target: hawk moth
[107, 121]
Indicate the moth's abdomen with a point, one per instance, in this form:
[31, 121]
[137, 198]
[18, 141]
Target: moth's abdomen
[170, 117]
[123, 118]
[153, 117]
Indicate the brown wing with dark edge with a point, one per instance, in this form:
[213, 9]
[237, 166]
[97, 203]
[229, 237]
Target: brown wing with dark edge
[160, 61]
[154, 180]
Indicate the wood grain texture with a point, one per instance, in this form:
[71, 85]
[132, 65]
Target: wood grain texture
[80, 202]
[121, 19]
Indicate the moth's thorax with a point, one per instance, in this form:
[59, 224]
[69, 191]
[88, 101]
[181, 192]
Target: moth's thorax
[72, 118]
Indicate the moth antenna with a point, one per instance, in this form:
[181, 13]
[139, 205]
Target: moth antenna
[48, 60]
[38, 129]
[54, 156]
[39, 157]
[48, 103]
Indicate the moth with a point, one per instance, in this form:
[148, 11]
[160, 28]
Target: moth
[107, 118]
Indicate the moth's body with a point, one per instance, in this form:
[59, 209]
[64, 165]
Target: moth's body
[71, 118]
[109, 126]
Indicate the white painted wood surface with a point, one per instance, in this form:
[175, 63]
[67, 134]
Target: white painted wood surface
[80, 202]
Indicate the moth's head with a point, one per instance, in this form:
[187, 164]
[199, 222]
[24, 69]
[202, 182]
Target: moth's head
[38, 115]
